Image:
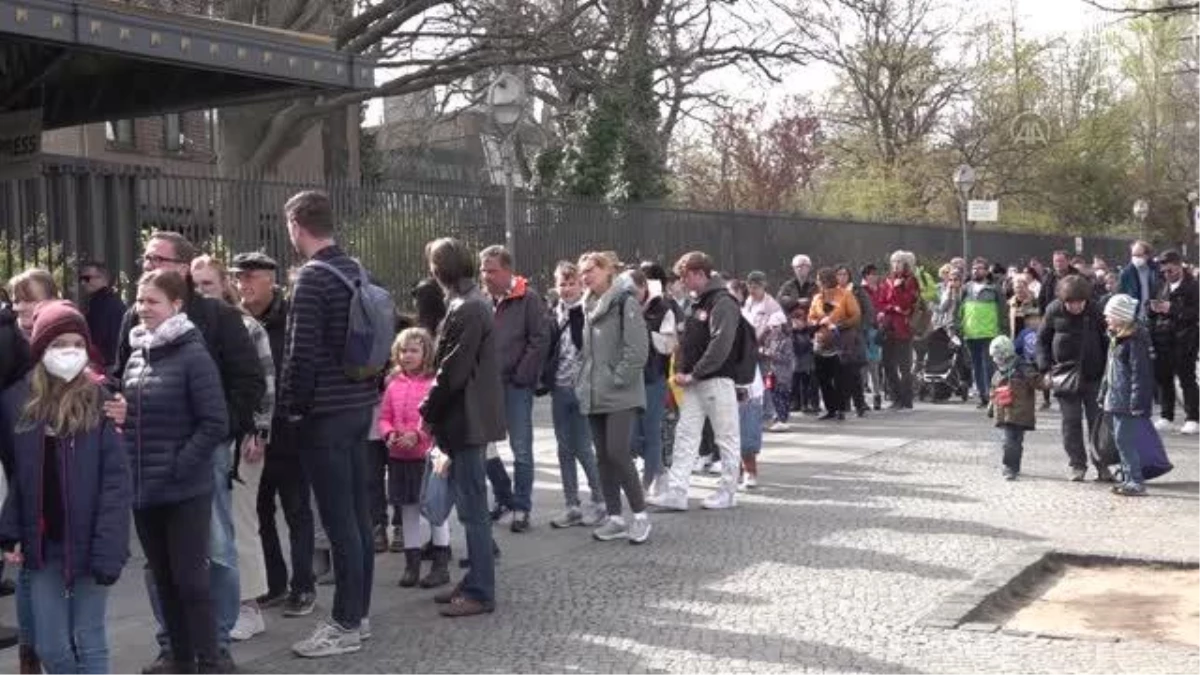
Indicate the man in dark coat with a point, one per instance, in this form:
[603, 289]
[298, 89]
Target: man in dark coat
[283, 475]
[1175, 329]
[464, 410]
[105, 311]
[1061, 269]
[801, 286]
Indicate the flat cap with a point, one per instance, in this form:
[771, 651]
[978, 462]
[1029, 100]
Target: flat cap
[256, 260]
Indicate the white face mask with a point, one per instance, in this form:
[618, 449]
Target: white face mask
[65, 363]
[1138, 261]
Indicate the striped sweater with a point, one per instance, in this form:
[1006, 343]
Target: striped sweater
[314, 382]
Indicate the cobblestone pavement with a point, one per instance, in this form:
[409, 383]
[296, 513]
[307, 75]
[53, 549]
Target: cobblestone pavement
[858, 530]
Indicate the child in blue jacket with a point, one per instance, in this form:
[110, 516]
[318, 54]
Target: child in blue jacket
[68, 506]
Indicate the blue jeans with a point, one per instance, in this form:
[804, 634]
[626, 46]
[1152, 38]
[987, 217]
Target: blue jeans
[518, 414]
[574, 444]
[1125, 432]
[1013, 446]
[750, 421]
[647, 431]
[223, 580]
[468, 484]
[70, 631]
[981, 365]
[25, 627]
[335, 457]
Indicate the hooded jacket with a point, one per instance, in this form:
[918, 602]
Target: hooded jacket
[983, 310]
[522, 334]
[615, 347]
[177, 415]
[1129, 380]
[96, 493]
[709, 334]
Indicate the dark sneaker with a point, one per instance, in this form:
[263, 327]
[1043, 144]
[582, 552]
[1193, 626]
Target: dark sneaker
[162, 664]
[520, 522]
[461, 606]
[499, 511]
[299, 604]
[270, 600]
[381, 539]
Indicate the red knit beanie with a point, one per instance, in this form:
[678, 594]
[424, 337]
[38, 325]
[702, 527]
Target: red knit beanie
[55, 318]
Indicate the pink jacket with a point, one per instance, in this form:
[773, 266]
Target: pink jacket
[398, 412]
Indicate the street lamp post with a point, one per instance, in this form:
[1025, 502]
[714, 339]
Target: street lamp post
[1141, 209]
[964, 180]
[506, 100]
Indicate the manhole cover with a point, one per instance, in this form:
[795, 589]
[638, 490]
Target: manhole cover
[1072, 597]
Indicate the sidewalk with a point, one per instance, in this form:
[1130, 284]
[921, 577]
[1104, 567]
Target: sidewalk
[857, 531]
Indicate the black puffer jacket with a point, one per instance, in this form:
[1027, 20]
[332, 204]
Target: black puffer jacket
[220, 325]
[1066, 338]
[177, 415]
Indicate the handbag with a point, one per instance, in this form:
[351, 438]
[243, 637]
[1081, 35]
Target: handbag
[1064, 378]
[436, 497]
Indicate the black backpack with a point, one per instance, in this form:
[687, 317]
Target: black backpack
[744, 355]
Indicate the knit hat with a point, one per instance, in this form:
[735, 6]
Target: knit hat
[55, 318]
[1122, 308]
[1002, 350]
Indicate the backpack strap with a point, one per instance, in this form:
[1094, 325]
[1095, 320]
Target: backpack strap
[352, 285]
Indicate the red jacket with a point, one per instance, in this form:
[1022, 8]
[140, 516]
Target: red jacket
[899, 296]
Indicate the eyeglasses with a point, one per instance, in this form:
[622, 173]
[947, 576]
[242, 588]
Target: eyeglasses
[158, 259]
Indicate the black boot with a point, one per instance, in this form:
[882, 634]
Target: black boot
[412, 567]
[439, 571]
[878, 401]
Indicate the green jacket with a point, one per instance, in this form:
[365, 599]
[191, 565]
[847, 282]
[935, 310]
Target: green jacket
[615, 346]
[981, 310]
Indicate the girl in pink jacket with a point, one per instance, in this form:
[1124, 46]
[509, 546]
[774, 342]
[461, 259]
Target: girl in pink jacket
[408, 444]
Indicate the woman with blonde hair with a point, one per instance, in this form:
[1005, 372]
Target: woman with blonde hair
[68, 506]
[611, 389]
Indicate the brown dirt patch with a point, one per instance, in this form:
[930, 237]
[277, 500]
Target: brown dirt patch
[1141, 602]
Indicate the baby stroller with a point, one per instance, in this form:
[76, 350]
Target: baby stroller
[945, 371]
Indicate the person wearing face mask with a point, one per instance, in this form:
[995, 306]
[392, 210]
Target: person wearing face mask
[1175, 331]
[1140, 279]
[177, 421]
[68, 504]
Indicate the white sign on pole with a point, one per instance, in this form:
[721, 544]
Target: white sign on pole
[983, 211]
[20, 140]
[1078, 245]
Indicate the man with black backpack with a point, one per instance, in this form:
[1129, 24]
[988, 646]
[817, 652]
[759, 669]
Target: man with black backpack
[717, 351]
[330, 386]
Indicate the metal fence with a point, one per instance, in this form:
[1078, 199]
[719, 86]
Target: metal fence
[72, 210]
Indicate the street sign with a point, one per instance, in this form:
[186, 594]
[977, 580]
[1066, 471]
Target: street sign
[983, 211]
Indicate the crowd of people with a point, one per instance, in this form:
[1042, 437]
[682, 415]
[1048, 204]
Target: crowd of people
[222, 395]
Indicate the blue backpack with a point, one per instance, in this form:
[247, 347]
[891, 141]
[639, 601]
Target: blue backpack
[371, 326]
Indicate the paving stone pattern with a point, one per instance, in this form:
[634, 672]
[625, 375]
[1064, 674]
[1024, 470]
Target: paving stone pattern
[858, 532]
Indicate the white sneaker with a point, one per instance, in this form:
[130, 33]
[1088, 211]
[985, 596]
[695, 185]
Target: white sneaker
[1161, 424]
[778, 427]
[1190, 428]
[639, 528]
[720, 500]
[751, 481]
[704, 468]
[329, 639]
[713, 469]
[669, 502]
[249, 623]
[364, 629]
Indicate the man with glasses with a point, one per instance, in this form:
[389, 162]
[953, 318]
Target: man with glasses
[104, 309]
[283, 475]
[244, 383]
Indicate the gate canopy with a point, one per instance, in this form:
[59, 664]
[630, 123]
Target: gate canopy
[84, 61]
